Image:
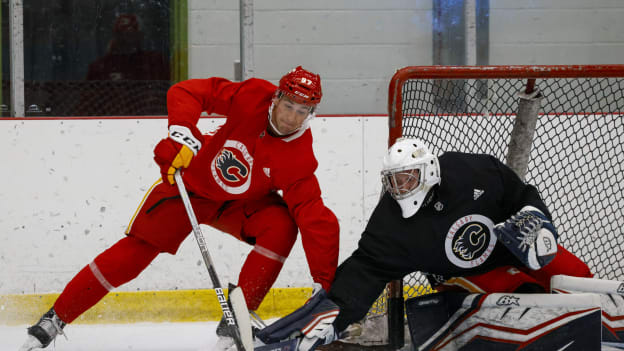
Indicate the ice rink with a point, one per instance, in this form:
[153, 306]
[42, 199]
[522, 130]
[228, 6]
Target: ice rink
[117, 337]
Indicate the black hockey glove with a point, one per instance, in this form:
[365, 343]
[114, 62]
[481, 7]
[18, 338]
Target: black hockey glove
[530, 236]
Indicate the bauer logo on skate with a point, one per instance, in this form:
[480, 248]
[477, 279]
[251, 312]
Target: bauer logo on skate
[620, 289]
[231, 168]
[470, 241]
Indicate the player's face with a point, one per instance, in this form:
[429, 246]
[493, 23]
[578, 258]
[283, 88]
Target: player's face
[405, 181]
[288, 115]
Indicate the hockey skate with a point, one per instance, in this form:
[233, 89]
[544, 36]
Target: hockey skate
[44, 332]
[226, 337]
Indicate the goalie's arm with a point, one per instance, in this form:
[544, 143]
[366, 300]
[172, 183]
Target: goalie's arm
[516, 193]
[528, 233]
[358, 283]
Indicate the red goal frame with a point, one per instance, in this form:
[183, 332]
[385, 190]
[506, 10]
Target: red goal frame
[395, 98]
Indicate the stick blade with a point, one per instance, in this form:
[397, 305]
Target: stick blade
[241, 313]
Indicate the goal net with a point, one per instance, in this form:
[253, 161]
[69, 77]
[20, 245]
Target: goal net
[561, 128]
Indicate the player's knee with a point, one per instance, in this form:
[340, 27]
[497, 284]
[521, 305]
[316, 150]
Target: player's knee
[287, 231]
[273, 228]
[279, 242]
[569, 264]
[283, 223]
[580, 269]
[124, 261]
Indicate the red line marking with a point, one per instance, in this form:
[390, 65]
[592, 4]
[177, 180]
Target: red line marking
[364, 115]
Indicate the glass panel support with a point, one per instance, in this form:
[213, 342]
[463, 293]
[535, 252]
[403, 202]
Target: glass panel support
[16, 24]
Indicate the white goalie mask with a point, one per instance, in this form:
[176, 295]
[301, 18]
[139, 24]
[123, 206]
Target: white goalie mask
[409, 171]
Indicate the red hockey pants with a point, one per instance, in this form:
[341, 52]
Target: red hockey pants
[161, 224]
[509, 278]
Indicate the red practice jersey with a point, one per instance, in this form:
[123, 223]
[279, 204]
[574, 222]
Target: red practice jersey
[242, 160]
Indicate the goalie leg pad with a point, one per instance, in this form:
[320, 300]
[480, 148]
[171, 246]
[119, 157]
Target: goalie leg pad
[564, 263]
[452, 321]
[611, 294]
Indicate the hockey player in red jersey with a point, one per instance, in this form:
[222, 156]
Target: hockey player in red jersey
[233, 177]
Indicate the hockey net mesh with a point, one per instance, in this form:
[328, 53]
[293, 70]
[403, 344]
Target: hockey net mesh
[576, 161]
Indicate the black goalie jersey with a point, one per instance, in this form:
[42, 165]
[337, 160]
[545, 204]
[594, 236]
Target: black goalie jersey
[450, 236]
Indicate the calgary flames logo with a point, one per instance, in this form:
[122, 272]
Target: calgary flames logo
[470, 241]
[231, 168]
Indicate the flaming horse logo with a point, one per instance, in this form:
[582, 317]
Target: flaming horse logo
[470, 242]
[231, 168]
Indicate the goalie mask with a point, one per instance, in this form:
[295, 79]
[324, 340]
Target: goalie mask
[410, 170]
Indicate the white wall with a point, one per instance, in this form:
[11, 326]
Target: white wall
[541, 32]
[69, 188]
[357, 45]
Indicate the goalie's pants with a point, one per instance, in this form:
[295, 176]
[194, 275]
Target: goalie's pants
[520, 279]
[161, 224]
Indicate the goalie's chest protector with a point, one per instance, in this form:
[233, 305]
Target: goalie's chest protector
[453, 234]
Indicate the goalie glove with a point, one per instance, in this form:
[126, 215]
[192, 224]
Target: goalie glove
[530, 236]
[311, 324]
[176, 151]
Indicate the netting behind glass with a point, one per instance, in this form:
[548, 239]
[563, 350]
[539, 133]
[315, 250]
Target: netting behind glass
[96, 98]
[576, 162]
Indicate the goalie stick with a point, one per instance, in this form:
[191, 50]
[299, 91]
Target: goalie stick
[237, 317]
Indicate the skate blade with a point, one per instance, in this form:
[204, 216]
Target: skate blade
[31, 344]
[288, 345]
[225, 343]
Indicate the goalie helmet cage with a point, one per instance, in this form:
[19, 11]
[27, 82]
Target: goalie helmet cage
[574, 154]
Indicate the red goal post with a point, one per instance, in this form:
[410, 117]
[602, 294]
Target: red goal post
[530, 73]
[568, 142]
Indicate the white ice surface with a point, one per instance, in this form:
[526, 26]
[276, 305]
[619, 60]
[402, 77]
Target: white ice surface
[135, 337]
[117, 337]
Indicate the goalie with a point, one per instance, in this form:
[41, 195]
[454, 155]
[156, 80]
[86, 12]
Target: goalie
[466, 221]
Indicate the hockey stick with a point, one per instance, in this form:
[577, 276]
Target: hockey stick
[242, 331]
